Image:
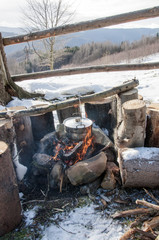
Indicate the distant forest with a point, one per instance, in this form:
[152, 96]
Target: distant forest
[94, 53]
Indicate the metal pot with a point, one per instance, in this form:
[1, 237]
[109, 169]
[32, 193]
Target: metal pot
[77, 128]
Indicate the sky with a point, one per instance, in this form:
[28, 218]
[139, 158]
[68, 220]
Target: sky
[11, 11]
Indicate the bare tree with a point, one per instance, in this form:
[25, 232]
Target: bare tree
[45, 14]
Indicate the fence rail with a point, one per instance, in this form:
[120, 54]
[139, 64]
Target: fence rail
[83, 26]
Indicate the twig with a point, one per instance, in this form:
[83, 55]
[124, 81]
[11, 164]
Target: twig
[132, 212]
[147, 204]
[132, 231]
[152, 196]
[64, 229]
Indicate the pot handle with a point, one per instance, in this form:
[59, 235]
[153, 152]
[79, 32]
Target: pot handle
[80, 125]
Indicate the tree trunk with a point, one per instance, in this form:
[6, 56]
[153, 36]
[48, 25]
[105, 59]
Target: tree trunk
[24, 137]
[10, 208]
[139, 167]
[67, 112]
[7, 87]
[131, 132]
[152, 129]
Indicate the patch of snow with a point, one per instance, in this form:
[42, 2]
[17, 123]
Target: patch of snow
[29, 215]
[20, 169]
[2, 107]
[24, 102]
[84, 223]
[140, 153]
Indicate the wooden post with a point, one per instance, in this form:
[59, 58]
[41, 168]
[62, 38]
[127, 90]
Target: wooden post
[42, 124]
[102, 113]
[67, 112]
[131, 132]
[24, 137]
[122, 98]
[10, 208]
[152, 129]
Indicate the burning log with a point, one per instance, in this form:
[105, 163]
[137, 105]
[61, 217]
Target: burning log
[68, 157]
[87, 171]
[10, 208]
[139, 167]
[152, 129]
[131, 132]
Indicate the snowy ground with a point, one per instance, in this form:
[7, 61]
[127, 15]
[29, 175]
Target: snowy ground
[86, 223]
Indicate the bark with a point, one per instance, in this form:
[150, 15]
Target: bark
[10, 208]
[83, 26]
[131, 132]
[152, 129]
[109, 180]
[68, 103]
[8, 87]
[140, 170]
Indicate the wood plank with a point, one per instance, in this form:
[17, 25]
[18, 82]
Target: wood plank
[86, 25]
[83, 70]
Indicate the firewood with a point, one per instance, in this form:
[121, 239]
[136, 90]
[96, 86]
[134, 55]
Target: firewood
[133, 212]
[128, 234]
[147, 204]
[152, 129]
[151, 224]
[152, 196]
[143, 235]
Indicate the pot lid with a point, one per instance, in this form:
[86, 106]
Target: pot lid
[77, 122]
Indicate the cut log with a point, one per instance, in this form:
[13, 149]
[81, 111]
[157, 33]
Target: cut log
[102, 113]
[10, 208]
[87, 171]
[67, 112]
[42, 124]
[24, 137]
[109, 180]
[122, 98]
[152, 129]
[139, 167]
[131, 132]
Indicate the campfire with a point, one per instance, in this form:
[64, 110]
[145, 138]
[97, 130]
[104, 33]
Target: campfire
[74, 146]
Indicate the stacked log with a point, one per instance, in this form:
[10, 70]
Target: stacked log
[10, 208]
[152, 129]
[131, 132]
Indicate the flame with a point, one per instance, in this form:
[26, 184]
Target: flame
[87, 142]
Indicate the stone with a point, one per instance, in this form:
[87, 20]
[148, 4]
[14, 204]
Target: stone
[109, 180]
[42, 164]
[88, 170]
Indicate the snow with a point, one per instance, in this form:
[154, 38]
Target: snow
[84, 223]
[29, 215]
[140, 153]
[20, 169]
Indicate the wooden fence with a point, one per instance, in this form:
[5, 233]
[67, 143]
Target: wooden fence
[83, 26]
